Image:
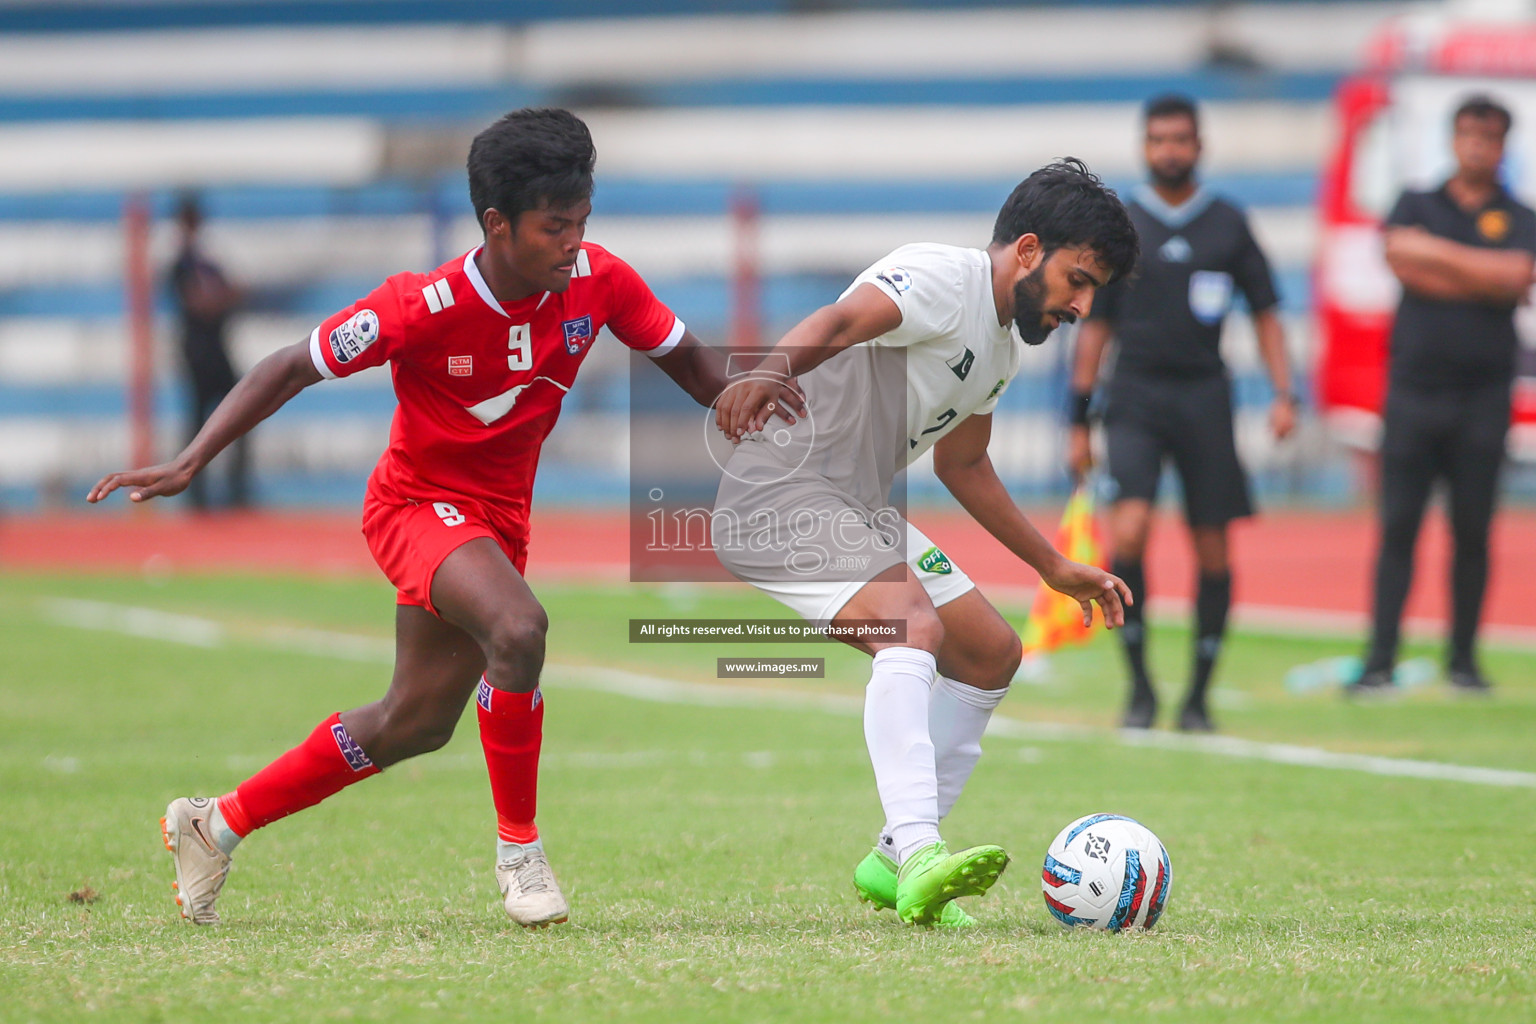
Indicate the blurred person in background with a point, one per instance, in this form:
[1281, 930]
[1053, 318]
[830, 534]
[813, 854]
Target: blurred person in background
[1170, 396]
[205, 298]
[1463, 253]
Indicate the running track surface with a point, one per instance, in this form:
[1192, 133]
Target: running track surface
[1314, 565]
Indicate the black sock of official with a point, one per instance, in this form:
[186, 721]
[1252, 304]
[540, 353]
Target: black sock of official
[1133, 635]
[1212, 602]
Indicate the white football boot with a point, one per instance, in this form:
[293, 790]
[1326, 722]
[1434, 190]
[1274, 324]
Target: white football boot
[530, 893]
[201, 866]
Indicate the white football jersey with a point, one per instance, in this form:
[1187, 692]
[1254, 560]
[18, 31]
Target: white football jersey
[959, 359]
[877, 406]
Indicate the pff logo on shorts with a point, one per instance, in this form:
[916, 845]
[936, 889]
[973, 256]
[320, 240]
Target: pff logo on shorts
[935, 561]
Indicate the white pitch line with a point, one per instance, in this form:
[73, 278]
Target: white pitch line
[150, 623]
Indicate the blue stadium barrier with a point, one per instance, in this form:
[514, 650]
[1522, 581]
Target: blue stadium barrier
[485, 103]
[615, 196]
[106, 15]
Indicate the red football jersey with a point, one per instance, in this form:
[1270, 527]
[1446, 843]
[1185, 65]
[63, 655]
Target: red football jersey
[479, 382]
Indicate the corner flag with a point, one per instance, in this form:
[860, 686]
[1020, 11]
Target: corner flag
[1056, 619]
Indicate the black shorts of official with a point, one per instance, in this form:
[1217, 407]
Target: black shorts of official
[1150, 420]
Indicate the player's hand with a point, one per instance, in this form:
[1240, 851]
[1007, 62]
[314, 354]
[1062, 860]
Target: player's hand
[1282, 417]
[1088, 584]
[1079, 452]
[791, 401]
[745, 406]
[160, 481]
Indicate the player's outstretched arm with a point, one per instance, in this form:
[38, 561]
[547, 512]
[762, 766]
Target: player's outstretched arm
[961, 463]
[702, 372]
[260, 393]
[862, 314]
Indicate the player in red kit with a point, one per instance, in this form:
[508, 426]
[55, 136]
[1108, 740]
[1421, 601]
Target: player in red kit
[482, 351]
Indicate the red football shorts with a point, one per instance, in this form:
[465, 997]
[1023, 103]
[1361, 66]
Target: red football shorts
[410, 539]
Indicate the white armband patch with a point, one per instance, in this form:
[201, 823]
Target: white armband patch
[673, 337]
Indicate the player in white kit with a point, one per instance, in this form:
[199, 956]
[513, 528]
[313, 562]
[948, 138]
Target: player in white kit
[924, 343]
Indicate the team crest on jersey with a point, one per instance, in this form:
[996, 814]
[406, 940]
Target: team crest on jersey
[352, 338]
[996, 389]
[897, 278]
[1493, 225]
[461, 366]
[578, 334]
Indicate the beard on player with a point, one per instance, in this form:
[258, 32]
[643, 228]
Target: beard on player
[1034, 321]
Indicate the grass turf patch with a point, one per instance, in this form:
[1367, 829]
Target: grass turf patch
[708, 850]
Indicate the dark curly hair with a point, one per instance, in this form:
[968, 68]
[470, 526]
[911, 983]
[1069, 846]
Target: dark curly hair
[1065, 204]
[529, 159]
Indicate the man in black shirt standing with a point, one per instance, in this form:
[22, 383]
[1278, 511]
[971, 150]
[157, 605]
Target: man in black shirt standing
[1170, 396]
[1463, 253]
[204, 299]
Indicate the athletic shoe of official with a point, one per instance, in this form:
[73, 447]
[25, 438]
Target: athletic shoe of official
[529, 891]
[875, 882]
[1195, 718]
[1140, 712]
[1374, 684]
[201, 866]
[1470, 680]
[933, 876]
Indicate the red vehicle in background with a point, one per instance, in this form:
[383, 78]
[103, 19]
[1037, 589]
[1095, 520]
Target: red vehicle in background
[1395, 133]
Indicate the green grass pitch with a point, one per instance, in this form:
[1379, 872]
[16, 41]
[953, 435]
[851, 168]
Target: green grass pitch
[707, 846]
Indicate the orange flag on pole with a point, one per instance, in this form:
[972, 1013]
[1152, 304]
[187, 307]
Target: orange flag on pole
[1056, 619]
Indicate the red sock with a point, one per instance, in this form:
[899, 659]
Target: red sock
[326, 763]
[511, 731]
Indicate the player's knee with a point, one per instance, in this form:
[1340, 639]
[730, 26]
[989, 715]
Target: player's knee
[924, 630]
[1007, 656]
[517, 641]
[993, 659]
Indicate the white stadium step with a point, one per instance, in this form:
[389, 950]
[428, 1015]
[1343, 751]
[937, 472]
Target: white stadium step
[1037, 41]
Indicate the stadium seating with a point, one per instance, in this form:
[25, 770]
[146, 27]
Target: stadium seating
[327, 142]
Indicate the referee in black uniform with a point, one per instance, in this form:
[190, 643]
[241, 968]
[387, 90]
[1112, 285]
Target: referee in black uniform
[1170, 397]
[1463, 253]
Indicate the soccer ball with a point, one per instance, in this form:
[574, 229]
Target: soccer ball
[1106, 871]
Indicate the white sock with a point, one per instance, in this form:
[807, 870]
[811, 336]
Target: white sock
[224, 837]
[504, 849]
[958, 714]
[896, 733]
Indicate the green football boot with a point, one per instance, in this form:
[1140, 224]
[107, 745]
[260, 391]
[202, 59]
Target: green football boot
[933, 876]
[875, 882]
